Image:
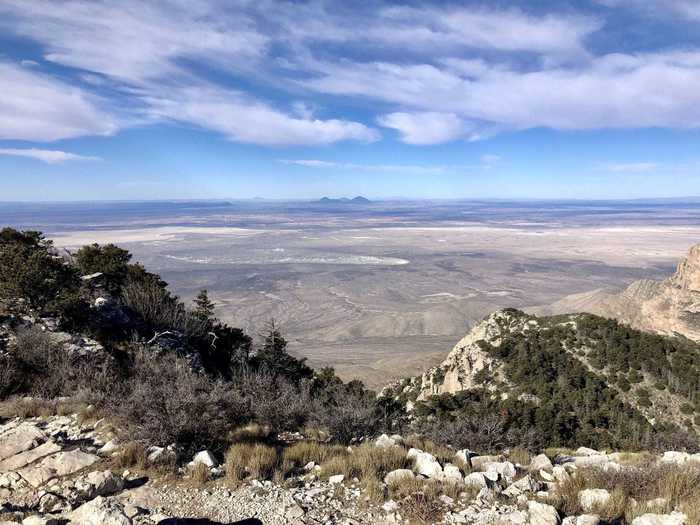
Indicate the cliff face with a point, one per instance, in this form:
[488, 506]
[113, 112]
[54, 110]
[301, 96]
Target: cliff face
[668, 307]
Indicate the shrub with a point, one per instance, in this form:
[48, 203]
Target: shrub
[110, 260]
[274, 401]
[346, 414]
[31, 270]
[164, 402]
[236, 461]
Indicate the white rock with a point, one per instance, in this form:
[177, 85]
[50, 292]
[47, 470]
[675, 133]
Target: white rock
[546, 476]
[109, 448]
[338, 478]
[675, 518]
[452, 473]
[100, 511]
[390, 506]
[444, 498]
[591, 499]
[38, 520]
[542, 514]
[465, 455]
[583, 519]
[585, 451]
[475, 480]
[427, 465]
[413, 453]
[205, 457]
[504, 468]
[480, 463]
[675, 457]
[541, 462]
[385, 441]
[560, 474]
[397, 475]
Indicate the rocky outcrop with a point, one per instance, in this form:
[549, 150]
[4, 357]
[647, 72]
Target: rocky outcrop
[459, 371]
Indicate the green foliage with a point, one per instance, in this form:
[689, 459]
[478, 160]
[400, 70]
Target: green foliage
[110, 260]
[31, 270]
[203, 307]
[274, 358]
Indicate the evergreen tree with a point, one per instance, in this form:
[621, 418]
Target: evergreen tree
[204, 308]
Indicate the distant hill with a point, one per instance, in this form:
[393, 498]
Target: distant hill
[345, 200]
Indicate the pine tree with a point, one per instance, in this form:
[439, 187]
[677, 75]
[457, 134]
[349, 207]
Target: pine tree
[204, 308]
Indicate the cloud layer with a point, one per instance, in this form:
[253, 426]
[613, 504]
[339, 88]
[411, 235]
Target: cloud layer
[316, 73]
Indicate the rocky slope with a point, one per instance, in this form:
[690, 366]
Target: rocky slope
[670, 307]
[59, 470]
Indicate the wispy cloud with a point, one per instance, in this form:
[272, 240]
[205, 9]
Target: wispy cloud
[413, 169]
[680, 8]
[41, 108]
[45, 155]
[630, 167]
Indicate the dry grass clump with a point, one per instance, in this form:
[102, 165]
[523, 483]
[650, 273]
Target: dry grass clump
[246, 459]
[131, 455]
[366, 462]
[519, 455]
[374, 490]
[636, 490]
[27, 407]
[304, 452]
[199, 474]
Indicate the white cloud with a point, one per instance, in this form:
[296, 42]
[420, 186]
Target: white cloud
[310, 163]
[44, 155]
[612, 91]
[425, 128]
[37, 107]
[241, 119]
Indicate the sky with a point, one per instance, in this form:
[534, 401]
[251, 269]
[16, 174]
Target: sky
[184, 99]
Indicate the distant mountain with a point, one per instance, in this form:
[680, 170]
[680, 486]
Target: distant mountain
[669, 307]
[344, 200]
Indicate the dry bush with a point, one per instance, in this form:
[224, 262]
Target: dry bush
[421, 509]
[485, 434]
[274, 401]
[199, 474]
[165, 401]
[131, 455]
[346, 414]
[366, 462]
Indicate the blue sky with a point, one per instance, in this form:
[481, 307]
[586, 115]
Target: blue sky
[125, 99]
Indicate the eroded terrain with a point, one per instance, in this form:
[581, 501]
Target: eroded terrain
[384, 290]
